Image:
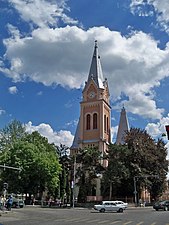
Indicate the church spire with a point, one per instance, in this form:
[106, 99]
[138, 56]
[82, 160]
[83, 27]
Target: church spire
[123, 127]
[95, 72]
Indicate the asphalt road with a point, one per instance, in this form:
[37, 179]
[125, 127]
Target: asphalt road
[48, 216]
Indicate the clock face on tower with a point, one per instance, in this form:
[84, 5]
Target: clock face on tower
[92, 94]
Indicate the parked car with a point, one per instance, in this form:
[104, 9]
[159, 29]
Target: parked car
[163, 205]
[121, 203]
[108, 206]
[18, 203]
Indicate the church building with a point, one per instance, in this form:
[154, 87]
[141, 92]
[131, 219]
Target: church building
[94, 126]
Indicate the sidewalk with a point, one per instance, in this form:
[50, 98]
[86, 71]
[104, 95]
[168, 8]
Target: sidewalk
[4, 211]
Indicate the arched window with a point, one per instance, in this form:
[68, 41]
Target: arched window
[95, 121]
[88, 122]
[105, 123]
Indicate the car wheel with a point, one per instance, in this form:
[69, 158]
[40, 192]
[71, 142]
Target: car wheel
[102, 210]
[165, 208]
[156, 209]
[120, 210]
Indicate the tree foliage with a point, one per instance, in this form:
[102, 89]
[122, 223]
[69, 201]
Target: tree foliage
[45, 166]
[116, 171]
[89, 166]
[36, 158]
[64, 191]
[141, 157]
[10, 134]
[147, 158]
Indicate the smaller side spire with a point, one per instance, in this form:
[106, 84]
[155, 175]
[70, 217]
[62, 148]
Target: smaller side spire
[123, 127]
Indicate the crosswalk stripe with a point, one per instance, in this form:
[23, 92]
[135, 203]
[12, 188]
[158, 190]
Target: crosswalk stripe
[104, 221]
[84, 219]
[127, 222]
[139, 223]
[153, 223]
[91, 221]
[117, 221]
[59, 220]
[73, 220]
[81, 220]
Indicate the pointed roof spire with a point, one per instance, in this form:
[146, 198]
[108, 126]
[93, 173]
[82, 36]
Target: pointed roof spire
[95, 72]
[123, 127]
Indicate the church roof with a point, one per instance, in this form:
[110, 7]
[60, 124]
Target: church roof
[123, 127]
[76, 137]
[95, 71]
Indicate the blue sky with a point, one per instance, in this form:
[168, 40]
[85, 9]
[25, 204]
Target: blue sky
[46, 48]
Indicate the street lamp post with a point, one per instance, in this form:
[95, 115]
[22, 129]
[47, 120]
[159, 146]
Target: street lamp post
[73, 182]
[135, 192]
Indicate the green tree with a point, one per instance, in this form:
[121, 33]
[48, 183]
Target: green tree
[65, 161]
[160, 167]
[47, 163]
[116, 171]
[89, 165]
[145, 159]
[8, 136]
[11, 133]
[37, 159]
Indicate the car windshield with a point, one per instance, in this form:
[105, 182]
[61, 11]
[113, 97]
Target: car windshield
[159, 202]
[163, 201]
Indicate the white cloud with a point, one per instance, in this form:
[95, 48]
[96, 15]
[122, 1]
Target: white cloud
[13, 90]
[160, 7]
[62, 137]
[163, 7]
[139, 7]
[42, 12]
[62, 56]
[114, 131]
[156, 130]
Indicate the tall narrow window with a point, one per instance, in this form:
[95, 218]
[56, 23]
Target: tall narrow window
[95, 121]
[88, 122]
[107, 125]
[104, 123]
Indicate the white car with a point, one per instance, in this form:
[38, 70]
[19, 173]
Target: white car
[121, 203]
[108, 206]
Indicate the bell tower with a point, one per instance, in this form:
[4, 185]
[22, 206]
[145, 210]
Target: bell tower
[94, 126]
